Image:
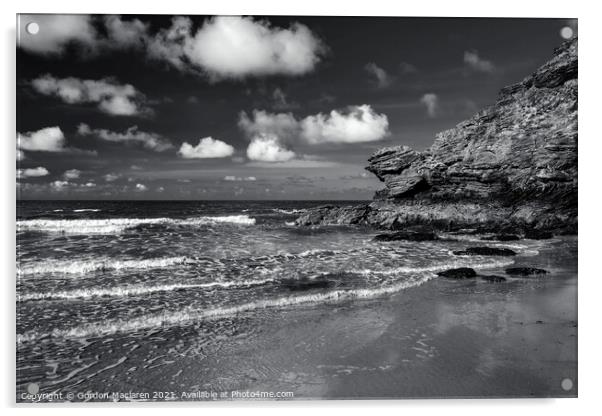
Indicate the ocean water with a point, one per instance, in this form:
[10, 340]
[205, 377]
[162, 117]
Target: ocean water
[129, 285]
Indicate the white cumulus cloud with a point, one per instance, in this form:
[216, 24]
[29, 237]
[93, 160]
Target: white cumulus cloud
[236, 47]
[357, 124]
[268, 148]
[149, 140]
[48, 139]
[208, 147]
[274, 135]
[141, 187]
[32, 172]
[110, 96]
[476, 63]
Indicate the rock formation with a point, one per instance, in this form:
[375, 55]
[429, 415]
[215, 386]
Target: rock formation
[510, 168]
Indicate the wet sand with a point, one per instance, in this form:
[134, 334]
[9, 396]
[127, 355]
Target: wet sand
[446, 338]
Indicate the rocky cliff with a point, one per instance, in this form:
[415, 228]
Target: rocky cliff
[513, 164]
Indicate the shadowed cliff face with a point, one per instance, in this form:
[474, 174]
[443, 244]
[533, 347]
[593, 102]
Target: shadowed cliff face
[512, 164]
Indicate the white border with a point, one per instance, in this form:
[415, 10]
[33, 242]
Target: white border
[589, 154]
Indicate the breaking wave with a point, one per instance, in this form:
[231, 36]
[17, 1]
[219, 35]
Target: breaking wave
[288, 211]
[135, 290]
[117, 225]
[82, 267]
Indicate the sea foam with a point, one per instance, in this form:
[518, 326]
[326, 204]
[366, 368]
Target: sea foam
[136, 290]
[88, 266]
[117, 225]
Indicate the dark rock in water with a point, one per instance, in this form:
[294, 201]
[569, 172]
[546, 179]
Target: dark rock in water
[525, 271]
[460, 273]
[512, 166]
[407, 236]
[485, 251]
[296, 285]
[493, 278]
[502, 237]
[538, 235]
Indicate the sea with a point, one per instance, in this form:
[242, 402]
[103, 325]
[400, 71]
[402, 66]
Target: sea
[108, 288]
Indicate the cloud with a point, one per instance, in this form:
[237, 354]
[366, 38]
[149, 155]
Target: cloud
[357, 124]
[381, 77]
[111, 177]
[208, 147]
[57, 32]
[231, 47]
[112, 98]
[72, 174]
[268, 148]
[32, 172]
[473, 61]
[273, 135]
[20, 155]
[431, 101]
[141, 187]
[48, 139]
[240, 179]
[59, 185]
[152, 141]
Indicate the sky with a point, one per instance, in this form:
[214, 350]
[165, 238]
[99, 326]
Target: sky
[249, 108]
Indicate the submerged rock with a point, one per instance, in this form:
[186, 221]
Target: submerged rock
[525, 271]
[459, 273]
[485, 251]
[512, 166]
[493, 278]
[407, 236]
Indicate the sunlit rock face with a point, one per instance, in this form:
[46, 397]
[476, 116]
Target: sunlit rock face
[513, 164]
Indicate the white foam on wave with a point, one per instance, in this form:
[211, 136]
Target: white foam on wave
[87, 210]
[189, 315]
[117, 225]
[317, 252]
[83, 266]
[288, 211]
[136, 290]
[474, 264]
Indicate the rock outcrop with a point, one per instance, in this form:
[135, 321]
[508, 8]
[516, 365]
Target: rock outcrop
[513, 164]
